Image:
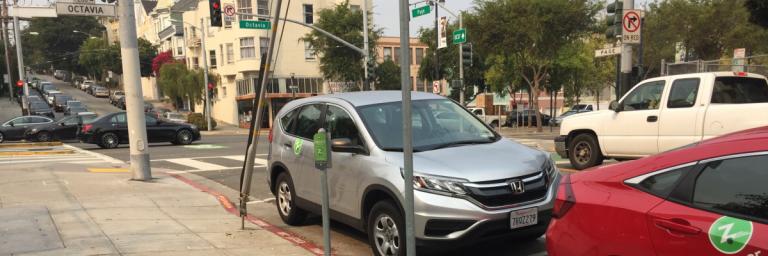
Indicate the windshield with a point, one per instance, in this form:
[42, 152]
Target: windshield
[38, 105]
[75, 104]
[175, 116]
[436, 124]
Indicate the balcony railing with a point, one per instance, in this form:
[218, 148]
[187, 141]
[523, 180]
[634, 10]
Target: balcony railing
[305, 85]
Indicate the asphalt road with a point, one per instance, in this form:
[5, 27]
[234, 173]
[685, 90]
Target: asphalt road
[99, 106]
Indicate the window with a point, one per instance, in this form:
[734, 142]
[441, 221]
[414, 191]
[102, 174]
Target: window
[341, 125]
[739, 90]
[247, 50]
[683, 93]
[419, 55]
[397, 54]
[71, 121]
[263, 46]
[644, 97]
[230, 54]
[37, 120]
[410, 55]
[245, 6]
[150, 120]
[420, 85]
[662, 184]
[118, 119]
[354, 7]
[179, 50]
[309, 52]
[734, 186]
[308, 121]
[195, 64]
[262, 7]
[288, 122]
[387, 53]
[308, 14]
[212, 56]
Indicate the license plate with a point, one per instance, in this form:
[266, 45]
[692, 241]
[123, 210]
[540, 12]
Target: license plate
[523, 218]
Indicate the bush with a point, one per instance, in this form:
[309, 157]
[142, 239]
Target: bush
[199, 120]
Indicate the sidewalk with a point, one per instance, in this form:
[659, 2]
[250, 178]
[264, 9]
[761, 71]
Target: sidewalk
[71, 209]
[8, 109]
[227, 129]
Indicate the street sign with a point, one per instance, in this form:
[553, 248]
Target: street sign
[631, 24]
[424, 10]
[607, 52]
[436, 87]
[443, 28]
[459, 36]
[255, 24]
[84, 9]
[739, 53]
[229, 10]
[293, 87]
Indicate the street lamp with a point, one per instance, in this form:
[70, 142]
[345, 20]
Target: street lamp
[81, 32]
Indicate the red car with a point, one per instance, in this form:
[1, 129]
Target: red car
[706, 199]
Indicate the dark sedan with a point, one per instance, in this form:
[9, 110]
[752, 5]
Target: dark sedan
[62, 130]
[110, 130]
[40, 108]
[60, 102]
[521, 118]
[14, 129]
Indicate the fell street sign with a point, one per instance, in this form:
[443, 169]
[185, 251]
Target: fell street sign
[85, 9]
[255, 24]
[459, 36]
[608, 52]
[416, 12]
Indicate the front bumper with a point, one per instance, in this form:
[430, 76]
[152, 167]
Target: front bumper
[468, 223]
[560, 146]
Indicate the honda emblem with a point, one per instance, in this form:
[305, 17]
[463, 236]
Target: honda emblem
[517, 186]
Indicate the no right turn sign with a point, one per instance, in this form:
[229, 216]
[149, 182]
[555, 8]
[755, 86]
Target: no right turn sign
[631, 24]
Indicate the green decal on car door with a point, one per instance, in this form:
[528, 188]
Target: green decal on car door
[730, 235]
[297, 144]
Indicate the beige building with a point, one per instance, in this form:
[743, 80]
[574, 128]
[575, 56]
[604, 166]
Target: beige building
[389, 48]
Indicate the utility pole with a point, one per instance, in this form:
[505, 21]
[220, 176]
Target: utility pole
[205, 75]
[437, 42]
[461, 65]
[405, 75]
[367, 54]
[134, 101]
[626, 57]
[4, 35]
[20, 57]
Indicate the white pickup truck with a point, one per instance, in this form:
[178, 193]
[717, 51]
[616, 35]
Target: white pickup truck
[493, 121]
[665, 113]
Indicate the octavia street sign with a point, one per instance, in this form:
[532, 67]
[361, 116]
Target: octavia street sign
[85, 9]
[255, 24]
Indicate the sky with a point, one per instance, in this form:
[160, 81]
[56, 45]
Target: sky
[386, 14]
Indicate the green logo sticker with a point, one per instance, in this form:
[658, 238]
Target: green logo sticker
[730, 235]
[297, 146]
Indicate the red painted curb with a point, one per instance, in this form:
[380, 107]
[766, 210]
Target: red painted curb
[229, 207]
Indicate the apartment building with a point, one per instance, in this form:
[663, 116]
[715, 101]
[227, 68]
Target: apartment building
[388, 47]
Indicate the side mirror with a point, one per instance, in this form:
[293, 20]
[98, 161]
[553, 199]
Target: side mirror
[345, 145]
[11, 124]
[614, 106]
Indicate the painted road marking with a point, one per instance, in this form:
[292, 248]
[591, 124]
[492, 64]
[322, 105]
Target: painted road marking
[257, 160]
[198, 165]
[107, 170]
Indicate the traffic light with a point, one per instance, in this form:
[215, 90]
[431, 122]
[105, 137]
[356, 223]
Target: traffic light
[613, 19]
[466, 54]
[215, 7]
[371, 65]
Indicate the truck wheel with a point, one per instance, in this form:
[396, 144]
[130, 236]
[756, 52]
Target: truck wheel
[584, 152]
[495, 124]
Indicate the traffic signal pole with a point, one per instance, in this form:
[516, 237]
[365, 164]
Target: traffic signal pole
[461, 66]
[205, 75]
[406, 87]
[4, 35]
[134, 101]
[20, 57]
[367, 55]
[626, 57]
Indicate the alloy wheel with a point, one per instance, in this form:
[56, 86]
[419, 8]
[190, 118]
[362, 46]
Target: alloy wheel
[386, 235]
[284, 198]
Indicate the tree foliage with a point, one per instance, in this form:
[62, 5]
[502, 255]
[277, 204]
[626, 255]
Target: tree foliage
[178, 82]
[523, 38]
[337, 61]
[161, 59]
[388, 76]
[56, 43]
[96, 57]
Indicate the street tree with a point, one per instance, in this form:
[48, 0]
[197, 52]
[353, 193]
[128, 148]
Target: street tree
[337, 61]
[160, 60]
[181, 84]
[96, 57]
[526, 36]
[388, 76]
[56, 43]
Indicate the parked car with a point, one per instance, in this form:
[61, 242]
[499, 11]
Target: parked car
[176, 117]
[664, 113]
[559, 119]
[520, 118]
[704, 199]
[115, 95]
[65, 129]
[582, 107]
[110, 130]
[51, 97]
[14, 128]
[86, 84]
[509, 195]
[148, 107]
[120, 103]
[60, 102]
[44, 86]
[492, 120]
[100, 92]
[75, 107]
[40, 108]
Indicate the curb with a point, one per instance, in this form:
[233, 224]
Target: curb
[229, 207]
[30, 144]
[38, 153]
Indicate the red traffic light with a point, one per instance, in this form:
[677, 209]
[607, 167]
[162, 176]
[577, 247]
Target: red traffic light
[216, 5]
[19, 83]
[210, 85]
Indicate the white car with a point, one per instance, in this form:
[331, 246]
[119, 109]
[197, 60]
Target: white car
[85, 84]
[664, 113]
[49, 97]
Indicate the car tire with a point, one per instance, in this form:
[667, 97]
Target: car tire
[183, 137]
[43, 136]
[386, 229]
[494, 124]
[109, 140]
[284, 200]
[584, 152]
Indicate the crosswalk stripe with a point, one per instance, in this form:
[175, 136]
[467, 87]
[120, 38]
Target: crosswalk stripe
[198, 165]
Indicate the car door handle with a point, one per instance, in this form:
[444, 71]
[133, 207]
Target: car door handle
[287, 145]
[677, 226]
[652, 119]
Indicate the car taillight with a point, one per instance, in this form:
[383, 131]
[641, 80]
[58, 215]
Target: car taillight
[565, 198]
[87, 127]
[740, 73]
[269, 137]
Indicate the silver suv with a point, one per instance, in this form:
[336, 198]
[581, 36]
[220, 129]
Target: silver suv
[470, 183]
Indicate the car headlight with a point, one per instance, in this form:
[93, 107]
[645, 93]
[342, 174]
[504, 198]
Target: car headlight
[550, 169]
[438, 185]
[194, 127]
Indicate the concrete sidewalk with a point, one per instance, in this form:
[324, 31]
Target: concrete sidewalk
[71, 209]
[8, 109]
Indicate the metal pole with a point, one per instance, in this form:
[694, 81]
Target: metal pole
[20, 58]
[405, 74]
[437, 44]
[626, 57]
[325, 210]
[251, 154]
[134, 101]
[366, 56]
[461, 66]
[205, 75]
[5, 48]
